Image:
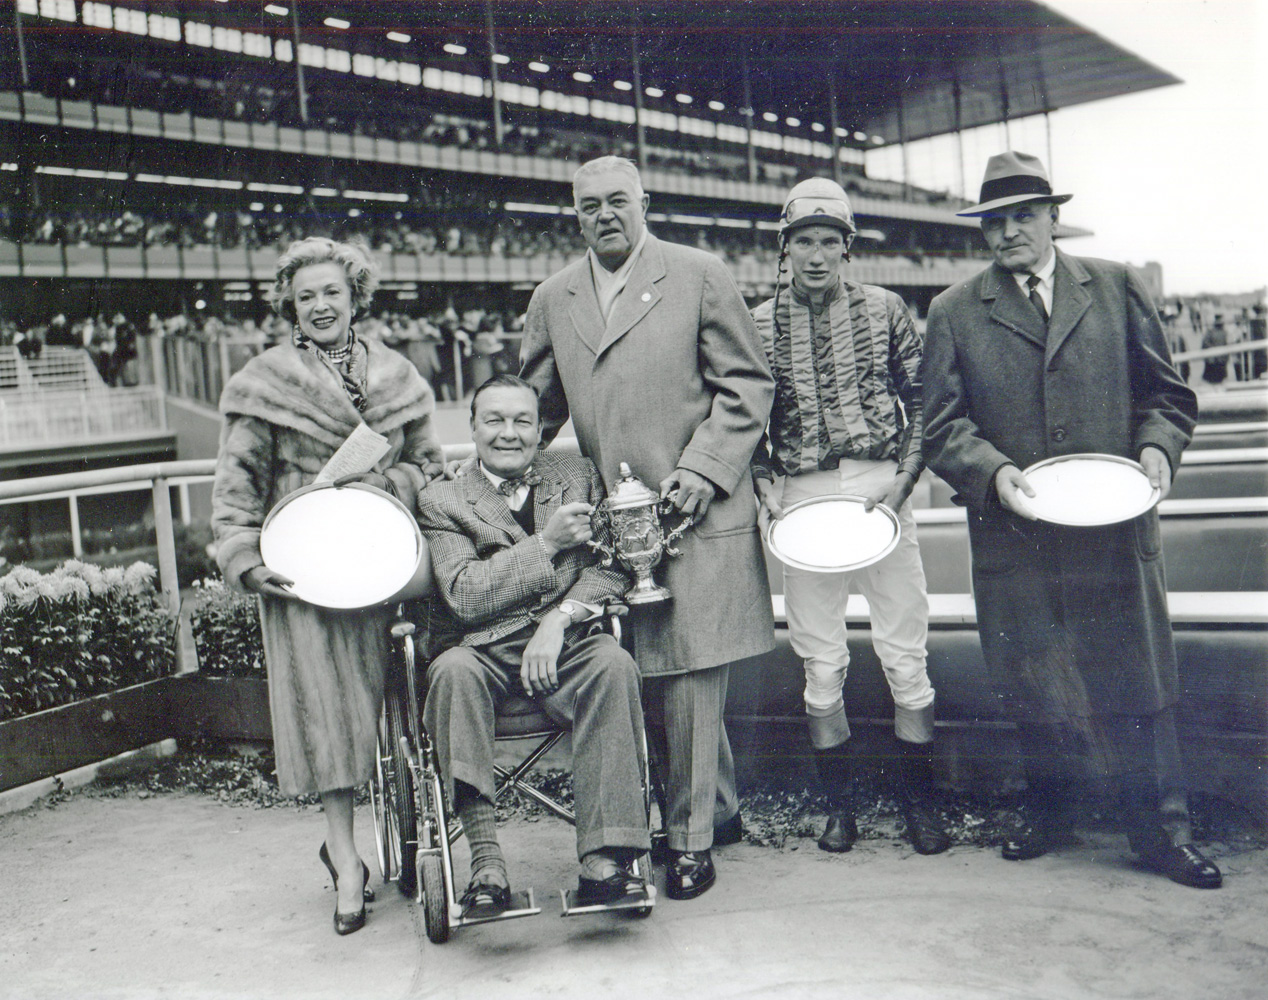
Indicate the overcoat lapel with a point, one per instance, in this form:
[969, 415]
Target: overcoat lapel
[1011, 309]
[489, 505]
[584, 312]
[639, 296]
[1070, 300]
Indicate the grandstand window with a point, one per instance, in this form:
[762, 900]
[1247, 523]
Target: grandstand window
[410, 73]
[196, 33]
[363, 65]
[387, 69]
[31, 7]
[282, 50]
[732, 133]
[323, 192]
[166, 28]
[57, 10]
[131, 21]
[96, 15]
[256, 45]
[226, 39]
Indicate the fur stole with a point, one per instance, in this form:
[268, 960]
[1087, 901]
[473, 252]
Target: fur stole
[292, 388]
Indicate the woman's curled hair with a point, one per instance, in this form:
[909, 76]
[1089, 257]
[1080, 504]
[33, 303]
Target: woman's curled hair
[359, 265]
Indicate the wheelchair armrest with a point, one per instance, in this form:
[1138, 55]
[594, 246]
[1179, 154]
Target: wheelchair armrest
[614, 608]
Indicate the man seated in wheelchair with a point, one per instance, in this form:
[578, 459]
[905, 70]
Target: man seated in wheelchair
[518, 582]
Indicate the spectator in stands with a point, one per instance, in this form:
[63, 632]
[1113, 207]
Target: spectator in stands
[846, 357]
[1215, 370]
[1039, 356]
[285, 413]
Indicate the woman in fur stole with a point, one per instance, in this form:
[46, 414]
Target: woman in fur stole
[285, 414]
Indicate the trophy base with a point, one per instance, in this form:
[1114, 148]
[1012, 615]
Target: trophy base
[649, 594]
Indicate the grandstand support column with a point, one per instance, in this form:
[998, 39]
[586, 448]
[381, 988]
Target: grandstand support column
[832, 126]
[1047, 128]
[638, 92]
[747, 111]
[959, 133]
[301, 92]
[21, 40]
[498, 128]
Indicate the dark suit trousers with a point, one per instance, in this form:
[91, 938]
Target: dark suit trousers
[1139, 754]
[685, 713]
[597, 699]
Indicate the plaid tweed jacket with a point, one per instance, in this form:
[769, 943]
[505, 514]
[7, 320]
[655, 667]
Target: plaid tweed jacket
[491, 578]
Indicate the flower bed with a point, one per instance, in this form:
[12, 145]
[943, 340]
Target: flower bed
[226, 627]
[78, 631]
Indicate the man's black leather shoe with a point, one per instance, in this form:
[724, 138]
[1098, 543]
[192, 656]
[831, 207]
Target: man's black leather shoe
[613, 889]
[1032, 841]
[728, 833]
[484, 899]
[1185, 864]
[689, 874]
[840, 833]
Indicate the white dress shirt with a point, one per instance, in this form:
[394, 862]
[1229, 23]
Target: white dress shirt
[514, 500]
[1046, 273]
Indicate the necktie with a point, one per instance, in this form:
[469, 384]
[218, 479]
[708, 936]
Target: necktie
[507, 487]
[1036, 299]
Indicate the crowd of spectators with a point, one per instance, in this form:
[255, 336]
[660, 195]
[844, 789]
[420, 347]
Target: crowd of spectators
[385, 112]
[110, 340]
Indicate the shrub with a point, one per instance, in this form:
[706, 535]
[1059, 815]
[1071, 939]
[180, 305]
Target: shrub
[78, 631]
[226, 627]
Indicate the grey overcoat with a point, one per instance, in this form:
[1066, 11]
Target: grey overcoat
[677, 378]
[998, 391]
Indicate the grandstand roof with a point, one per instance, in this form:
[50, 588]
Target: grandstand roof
[897, 66]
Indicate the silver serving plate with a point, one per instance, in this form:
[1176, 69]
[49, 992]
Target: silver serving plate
[1044, 474]
[832, 563]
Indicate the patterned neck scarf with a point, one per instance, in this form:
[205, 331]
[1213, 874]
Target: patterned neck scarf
[349, 363]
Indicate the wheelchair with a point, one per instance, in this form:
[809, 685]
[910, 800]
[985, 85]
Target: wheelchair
[415, 829]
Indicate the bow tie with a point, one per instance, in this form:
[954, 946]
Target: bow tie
[507, 487]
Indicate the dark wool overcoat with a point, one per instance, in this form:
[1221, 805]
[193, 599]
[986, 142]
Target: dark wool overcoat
[1073, 620]
[676, 378]
[285, 414]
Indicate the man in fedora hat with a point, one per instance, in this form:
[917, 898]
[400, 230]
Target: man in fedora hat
[1043, 355]
[846, 420]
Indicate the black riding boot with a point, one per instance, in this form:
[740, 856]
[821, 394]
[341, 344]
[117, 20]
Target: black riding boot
[836, 782]
[915, 790]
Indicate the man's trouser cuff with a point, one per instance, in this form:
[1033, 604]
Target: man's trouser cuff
[827, 731]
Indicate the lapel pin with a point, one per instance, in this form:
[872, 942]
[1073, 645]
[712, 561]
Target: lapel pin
[647, 296]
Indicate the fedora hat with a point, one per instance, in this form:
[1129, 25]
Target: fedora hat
[1010, 179]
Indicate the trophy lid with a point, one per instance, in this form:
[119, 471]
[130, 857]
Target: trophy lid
[630, 491]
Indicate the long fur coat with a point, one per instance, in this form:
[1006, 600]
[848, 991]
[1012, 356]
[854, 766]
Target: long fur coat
[285, 414]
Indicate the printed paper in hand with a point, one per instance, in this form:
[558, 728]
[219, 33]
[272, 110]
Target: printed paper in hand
[357, 454]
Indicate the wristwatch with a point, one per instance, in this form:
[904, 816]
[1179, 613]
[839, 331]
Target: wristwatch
[570, 608]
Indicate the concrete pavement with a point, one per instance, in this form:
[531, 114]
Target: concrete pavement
[180, 896]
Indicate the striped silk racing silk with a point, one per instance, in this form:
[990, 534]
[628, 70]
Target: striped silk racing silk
[847, 381]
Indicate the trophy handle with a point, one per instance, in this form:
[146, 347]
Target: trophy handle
[678, 532]
[606, 552]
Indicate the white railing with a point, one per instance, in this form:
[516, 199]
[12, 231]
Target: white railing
[59, 416]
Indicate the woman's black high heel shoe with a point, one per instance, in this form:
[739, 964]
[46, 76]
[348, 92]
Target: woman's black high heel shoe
[346, 923]
[367, 893]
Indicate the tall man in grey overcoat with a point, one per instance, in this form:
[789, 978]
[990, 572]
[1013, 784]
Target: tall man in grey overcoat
[650, 348]
[1042, 355]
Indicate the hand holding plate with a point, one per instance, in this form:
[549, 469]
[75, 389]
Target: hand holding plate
[1158, 468]
[1011, 485]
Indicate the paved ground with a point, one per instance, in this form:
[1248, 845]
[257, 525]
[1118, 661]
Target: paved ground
[179, 896]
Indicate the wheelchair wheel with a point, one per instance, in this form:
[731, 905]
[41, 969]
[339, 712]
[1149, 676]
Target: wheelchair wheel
[403, 810]
[384, 829]
[435, 902]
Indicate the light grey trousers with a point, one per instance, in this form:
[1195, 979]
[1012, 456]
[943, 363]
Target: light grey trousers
[597, 699]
